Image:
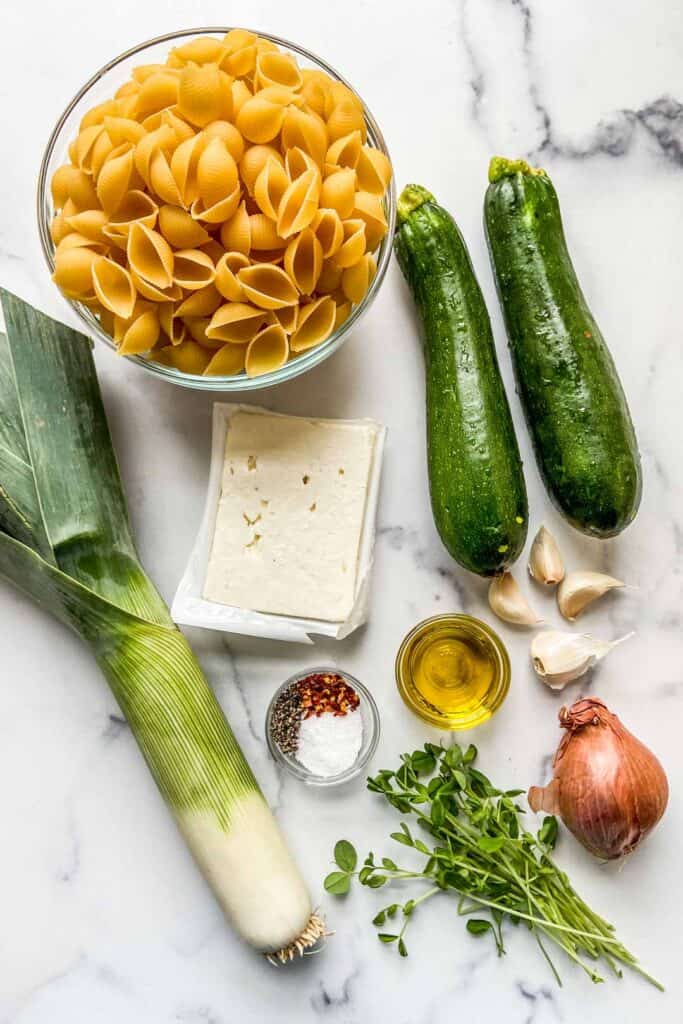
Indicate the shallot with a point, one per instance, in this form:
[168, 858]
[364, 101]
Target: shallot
[608, 788]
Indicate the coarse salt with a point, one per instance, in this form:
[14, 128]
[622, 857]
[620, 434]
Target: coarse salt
[329, 744]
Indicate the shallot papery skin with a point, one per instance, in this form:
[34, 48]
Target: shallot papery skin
[607, 787]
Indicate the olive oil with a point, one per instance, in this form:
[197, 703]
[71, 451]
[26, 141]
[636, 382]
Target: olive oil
[453, 671]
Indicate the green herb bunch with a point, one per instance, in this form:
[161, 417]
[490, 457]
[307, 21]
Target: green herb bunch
[478, 848]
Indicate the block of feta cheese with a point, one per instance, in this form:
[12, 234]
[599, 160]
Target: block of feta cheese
[285, 547]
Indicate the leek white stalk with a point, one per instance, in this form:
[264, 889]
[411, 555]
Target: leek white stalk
[65, 541]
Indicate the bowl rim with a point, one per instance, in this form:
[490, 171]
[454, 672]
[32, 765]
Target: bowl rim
[235, 382]
[366, 751]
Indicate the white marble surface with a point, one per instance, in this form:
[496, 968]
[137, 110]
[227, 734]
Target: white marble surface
[104, 917]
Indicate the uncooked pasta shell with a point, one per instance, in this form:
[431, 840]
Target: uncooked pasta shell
[150, 256]
[180, 229]
[299, 204]
[227, 361]
[236, 232]
[236, 322]
[355, 280]
[338, 192]
[188, 357]
[115, 177]
[193, 269]
[135, 207]
[201, 303]
[142, 335]
[329, 230]
[227, 282]
[346, 118]
[113, 287]
[373, 170]
[73, 270]
[275, 68]
[204, 94]
[305, 130]
[220, 211]
[216, 173]
[253, 162]
[314, 325]
[268, 351]
[353, 246]
[345, 151]
[260, 120]
[229, 135]
[270, 186]
[267, 286]
[304, 261]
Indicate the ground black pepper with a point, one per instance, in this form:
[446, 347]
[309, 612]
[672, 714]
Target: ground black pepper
[286, 720]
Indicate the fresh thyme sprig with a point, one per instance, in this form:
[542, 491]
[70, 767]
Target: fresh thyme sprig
[481, 851]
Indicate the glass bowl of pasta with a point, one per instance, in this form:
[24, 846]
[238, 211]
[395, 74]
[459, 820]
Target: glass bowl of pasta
[218, 206]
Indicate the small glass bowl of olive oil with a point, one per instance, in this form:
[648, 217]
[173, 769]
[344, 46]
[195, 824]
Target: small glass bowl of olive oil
[453, 671]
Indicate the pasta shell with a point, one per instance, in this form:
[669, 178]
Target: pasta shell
[202, 303]
[287, 318]
[114, 179]
[236, 232]
[299, 204]
[73, 270]
[142, 335]
[180, 128]
[193, 269]
[100, 151]
[204, 94]
[240, 62]
[356, 280]
[150, 255]
[188, 357]
[346, 118]
[240, 94]
[268, 287]
[339, 93]
[179, 229]
[216, 173]
[59, 228]
[345, 151]
[184, 167]
[330, 278]
[136, 206]
[74, 240]
[329, 230]
[237, 38]
[69, 182]
[369, 209]
[173, 327]
[259, 120]
[236, 323]
[202, 50]
[158, 91]
[220, 211]
[88, 223]
[98, 114]
[140, 74]
[342, 314]
[85, 144]
[123, 129]
[196, 327]
[338, 192]
[226, 275]
[353, 246]
[264, 235]
[214, 249]
[306, 131]
[268, 351]
[253, 162]
[297, 162]
[113, 287]
[149, 291]
[161, 179]
[373, 170]
[315, 324]
[304, 261]
[270, 186]
[161, 138]
[227, 361]
[234, 143]
[314, 90]
[274, 68]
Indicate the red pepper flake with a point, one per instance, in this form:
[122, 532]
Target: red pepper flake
[326, 692]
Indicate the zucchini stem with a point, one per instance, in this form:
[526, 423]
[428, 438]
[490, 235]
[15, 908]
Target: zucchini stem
[412, 198]
[501, 167]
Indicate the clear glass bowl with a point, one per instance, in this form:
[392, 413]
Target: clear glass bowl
[368, 711]
[102, 86]
[468, 709]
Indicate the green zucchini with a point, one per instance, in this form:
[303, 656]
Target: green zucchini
[574, 403]
[476, 483]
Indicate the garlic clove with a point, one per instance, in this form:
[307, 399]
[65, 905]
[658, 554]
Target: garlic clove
[579, 589]
[559, 658]
[545, 561]
[508, 602]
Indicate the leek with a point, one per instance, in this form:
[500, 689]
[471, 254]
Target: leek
[65, 541]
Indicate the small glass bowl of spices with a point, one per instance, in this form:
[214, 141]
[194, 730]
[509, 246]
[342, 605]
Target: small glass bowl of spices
[322, 725]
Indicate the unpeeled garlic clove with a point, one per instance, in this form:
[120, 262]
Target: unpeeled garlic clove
[579, 589]
[545, 561]
[560, 658]
[508, 602]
